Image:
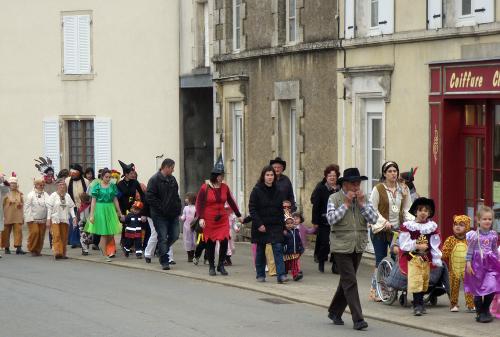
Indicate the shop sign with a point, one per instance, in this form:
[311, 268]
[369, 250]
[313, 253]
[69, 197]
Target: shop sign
[480, 78]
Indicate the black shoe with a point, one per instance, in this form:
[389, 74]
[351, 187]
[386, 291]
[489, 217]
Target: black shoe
[321, 266]
[126, 252]
[7, 251]
[228, 261]
[64, 257]
[148, 259]
[165, 267]
[138, 255]
[58, 257]
[85, 253]
[172, 262]
[74, 246]
[20, 251]
[298, 277]
[222, 270]
[360, 325]
[211, 271]
[417, 311]
[94, 247]
[337, 320]
[282, 279]
[485, 318]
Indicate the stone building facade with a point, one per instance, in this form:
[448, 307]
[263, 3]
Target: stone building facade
[275, 80]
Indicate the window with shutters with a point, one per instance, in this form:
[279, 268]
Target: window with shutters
[434, 14]
[81, 142]
[238, 129]
[381, 17]
[76, 44]
[349, 19]
[291, 21]
[474, 12]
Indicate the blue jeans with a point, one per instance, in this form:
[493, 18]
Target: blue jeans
[260, 260]
[381, 243]
[168, 233]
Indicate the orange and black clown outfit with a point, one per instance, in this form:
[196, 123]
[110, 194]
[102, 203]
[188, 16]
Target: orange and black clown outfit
[454, 251]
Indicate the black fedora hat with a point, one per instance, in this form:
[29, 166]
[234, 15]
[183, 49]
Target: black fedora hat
[422, 201]
[350, 175]
[278, 160]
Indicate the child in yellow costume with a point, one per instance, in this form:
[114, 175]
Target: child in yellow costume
[454, 251]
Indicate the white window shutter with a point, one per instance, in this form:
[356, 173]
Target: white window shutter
[51, 141]
[484, 10]
[70, 44]
[84, 44]
[349, 19]
[434, 14]
[386, 16]
[102, 142]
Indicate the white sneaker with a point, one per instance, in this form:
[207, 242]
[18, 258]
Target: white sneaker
[267, 269]
[454, 309]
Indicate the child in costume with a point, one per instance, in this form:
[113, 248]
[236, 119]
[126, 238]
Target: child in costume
[298, 221]
[419, 242]
[495, 305]
[200, 246]
[188, 214]
[482, 277]
[13, 216]
[292, 248]
[454, 251]
[133, 230]
[86, 239]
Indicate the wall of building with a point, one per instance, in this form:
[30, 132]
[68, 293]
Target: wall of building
[136, 74]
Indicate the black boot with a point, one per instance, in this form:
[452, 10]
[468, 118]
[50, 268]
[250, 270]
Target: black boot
[7, 251]
[228, 261]
[321, 266]
[190, 255]
[20, 251]
[222, 270]
[211, 270]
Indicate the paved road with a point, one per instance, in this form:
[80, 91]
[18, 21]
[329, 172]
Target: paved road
[41, 297]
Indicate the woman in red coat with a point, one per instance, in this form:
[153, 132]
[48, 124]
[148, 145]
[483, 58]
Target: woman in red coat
[214, 219]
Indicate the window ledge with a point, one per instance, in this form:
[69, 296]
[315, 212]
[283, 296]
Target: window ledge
[75, 77]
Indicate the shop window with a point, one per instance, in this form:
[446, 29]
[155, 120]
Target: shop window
[238, 154]
[473, 12]
[81, 142]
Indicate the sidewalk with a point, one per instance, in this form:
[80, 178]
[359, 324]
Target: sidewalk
[315, 289]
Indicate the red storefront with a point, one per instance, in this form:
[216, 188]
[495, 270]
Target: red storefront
[464, 103]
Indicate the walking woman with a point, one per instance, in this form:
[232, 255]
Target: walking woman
[392, 201]
[103, 218]
[60, 207]
[35, 215]
[213, 218]
[319, 200]
[13, 205]
[268, 224]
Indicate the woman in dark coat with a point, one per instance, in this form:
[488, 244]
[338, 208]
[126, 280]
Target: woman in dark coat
[266, 210]
[319, 200]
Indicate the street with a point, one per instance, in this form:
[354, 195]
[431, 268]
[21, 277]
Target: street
[73, 298]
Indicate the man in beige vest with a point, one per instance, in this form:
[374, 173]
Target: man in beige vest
[348, 213]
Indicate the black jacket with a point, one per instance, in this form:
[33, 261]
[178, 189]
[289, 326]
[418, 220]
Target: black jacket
[319, 200]
[285, 187]
[293, 243]
[266, 208]
[126, 195]
[162, 195]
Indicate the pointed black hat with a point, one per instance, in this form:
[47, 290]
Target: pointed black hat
[126, 168]
[219, 166]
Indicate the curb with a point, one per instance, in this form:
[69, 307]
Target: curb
[250, 287]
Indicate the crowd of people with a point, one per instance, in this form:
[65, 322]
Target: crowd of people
[83, 211]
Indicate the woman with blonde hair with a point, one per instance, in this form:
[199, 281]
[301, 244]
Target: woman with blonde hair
[35, 215]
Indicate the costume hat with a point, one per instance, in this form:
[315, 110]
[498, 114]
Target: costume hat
[138, 204]
[77, 167]
[462, 218]
[350, 175]
[13, 178]
[278, 160]
[422, 201]
[219, 166]
[44, 165]
[126, 168]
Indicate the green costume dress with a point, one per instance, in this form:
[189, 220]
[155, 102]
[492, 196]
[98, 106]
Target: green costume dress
[106, 221]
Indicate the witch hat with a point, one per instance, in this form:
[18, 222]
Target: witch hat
[219, 166]
[126, 168]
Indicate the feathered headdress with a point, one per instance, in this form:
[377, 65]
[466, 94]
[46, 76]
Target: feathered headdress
[44, 165]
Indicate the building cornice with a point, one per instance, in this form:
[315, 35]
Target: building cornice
[232, 78]
[282, 50]
[363, 70]
[423, 36]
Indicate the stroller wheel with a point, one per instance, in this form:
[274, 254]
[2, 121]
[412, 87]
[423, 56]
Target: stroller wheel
[387, 294]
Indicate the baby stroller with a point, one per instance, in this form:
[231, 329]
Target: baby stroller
[390, 281]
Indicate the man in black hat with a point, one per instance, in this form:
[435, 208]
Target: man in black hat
[282, 181]
[348, 213]
[162, 195]
[77, 184]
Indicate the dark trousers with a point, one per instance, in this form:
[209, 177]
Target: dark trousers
[322, 247]
[136, 242]
[260, 260]
[347, 290]
[168, 233]
[483, 303]
[381, 243]
[211, 252]
[96, 239]
[199, 249]
[418, 299]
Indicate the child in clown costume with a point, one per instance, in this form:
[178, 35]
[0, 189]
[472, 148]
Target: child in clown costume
[454, 251]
